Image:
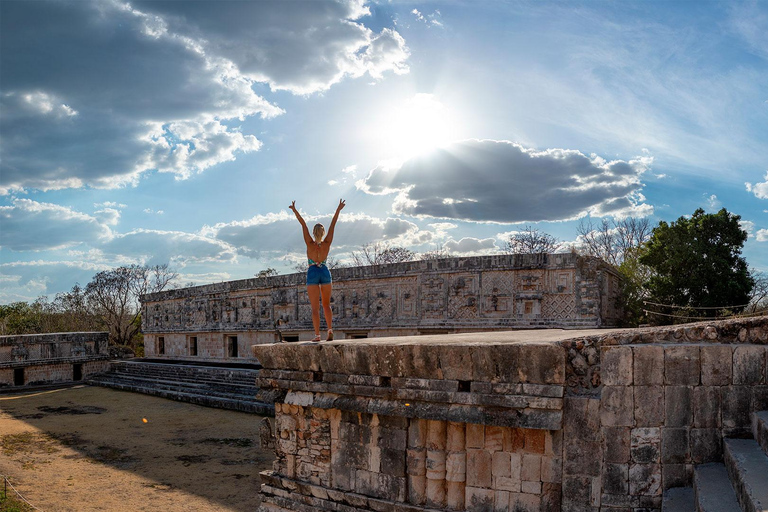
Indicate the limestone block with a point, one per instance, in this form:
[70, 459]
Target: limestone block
[551, 470]
[616, 478]
[380, 485]
[392, 462]
[531, 467]
[706, 445]
[436, 435]
[677, 475]
[678, 407]
[616, 365]
[514, 439]
[530, 487]
[524, 502]
[435, 493]
[582, 458]
[553, 443]
[456, 467]
[617, 406]
[417, 489]
[645, 445]
[736, 406]
[494, 438]
[551, 494]
[475, 435]
[542, 364]
[706, 407]
[479, 468]
[577, 493]
[581, 418]
[616, 442]
[716, 365]
[501, 464]
[501, 501]
[417, 433]
[675, 448]
[749, 364]
[456, 362]
[645, 479]
[485, 363]
[760, 398]
[648, 365]
[416, 461]
[478, 499]
[435, 464]
[535, 440]
[454, 436]
[649, 406]
[682, 365]
[395, 439]
[454, 495]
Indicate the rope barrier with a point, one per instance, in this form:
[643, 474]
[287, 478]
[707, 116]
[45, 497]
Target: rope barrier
[6, 483]
[692, 307]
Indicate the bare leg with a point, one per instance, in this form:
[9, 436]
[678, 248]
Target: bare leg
[313, 291]
[325, 290]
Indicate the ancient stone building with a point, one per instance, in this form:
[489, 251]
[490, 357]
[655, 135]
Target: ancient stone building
[220, 322]
[525, 421]
[52, 358]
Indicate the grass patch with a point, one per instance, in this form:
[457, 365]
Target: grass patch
[10, 503]
[27, 442]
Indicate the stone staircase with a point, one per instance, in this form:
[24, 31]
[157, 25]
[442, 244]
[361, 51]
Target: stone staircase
[739, 484]
[211, 386]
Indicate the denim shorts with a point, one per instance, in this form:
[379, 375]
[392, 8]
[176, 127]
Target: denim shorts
[317, 274]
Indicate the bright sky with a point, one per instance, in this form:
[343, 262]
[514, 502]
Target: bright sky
[154, 132]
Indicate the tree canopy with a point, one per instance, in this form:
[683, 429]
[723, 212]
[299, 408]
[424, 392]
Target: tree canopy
[697, 263]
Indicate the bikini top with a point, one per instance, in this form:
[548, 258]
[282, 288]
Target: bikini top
[317, 264]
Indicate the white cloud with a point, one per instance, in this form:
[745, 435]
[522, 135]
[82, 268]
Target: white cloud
[109, 204]
[500, 181]
[157, 85]
[762, 235]
[108, 216]
[760, 190]
[150, 211]
[32, 226]
[470, 245]
[713, 203]
[28, 279]
[155, 247]
[748, 226]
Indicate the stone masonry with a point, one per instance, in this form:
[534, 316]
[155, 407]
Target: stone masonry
[52, 358]
[511, 421]
[220, 322]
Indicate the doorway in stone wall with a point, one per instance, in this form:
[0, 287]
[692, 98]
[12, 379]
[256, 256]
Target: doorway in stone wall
[18, 376]
[232, 346]
[77, 372]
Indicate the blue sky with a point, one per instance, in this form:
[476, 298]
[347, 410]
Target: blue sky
[179, 132]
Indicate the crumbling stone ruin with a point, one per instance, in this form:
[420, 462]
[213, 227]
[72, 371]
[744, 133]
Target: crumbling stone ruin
[32, 359]
[549, 421]
[219, 322]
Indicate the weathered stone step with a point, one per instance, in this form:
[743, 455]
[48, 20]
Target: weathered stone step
[224, 386]
[251, 406]
[760, 429]
[678, 499]
[713, 490]
[748, 468]
[239, 392]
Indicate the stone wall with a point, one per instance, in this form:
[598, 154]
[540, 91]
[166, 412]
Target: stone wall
[520, 421]
[419, 297]
[32, 359]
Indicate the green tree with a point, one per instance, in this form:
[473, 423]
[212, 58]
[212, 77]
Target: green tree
[697, 263]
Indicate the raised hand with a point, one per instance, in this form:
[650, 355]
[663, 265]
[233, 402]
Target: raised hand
[342, 204]
[293, 206]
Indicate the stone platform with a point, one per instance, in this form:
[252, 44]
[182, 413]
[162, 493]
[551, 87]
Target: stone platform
[599, 420]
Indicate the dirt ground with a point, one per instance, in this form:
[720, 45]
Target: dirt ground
[88, 448]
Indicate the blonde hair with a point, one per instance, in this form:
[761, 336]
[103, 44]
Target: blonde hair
[318, 232]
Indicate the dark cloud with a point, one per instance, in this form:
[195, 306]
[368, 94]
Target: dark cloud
[32, 226]
[500, 181]
[95, 93]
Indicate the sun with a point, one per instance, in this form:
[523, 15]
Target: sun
[416, 126]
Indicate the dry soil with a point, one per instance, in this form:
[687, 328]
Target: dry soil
[89, 448]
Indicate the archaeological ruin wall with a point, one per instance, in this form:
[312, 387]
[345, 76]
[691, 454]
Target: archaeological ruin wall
[220, 322]
[541, 421]
[34, 359]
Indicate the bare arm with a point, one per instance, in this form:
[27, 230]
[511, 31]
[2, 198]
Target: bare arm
[329, 238]
[307, 238]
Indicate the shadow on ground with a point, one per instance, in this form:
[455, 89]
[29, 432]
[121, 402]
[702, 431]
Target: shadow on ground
[92, 448]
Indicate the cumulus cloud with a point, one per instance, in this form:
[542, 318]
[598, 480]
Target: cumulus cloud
[762, 235]
[501, 181]
[29, 225]
[760, 190]
[155, 247]
[25, 280]
[279, 233]
[748, 226]
[97, 93]
[470, 245]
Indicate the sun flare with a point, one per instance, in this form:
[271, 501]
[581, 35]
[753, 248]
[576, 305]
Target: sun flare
[416, 126]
